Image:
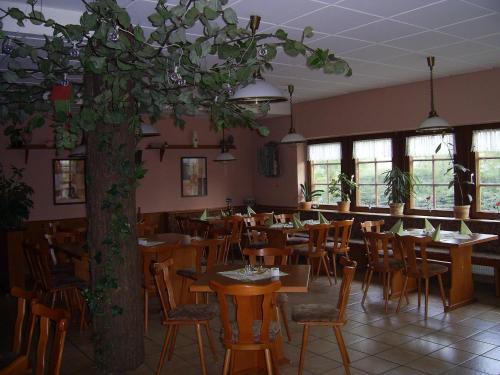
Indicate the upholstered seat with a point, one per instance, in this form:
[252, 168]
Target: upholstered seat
[274, 329]
[193, 312]
[67, 281]
[256, 245]
[295, 240]
[432, 269]
[190, 273]
[315, 312]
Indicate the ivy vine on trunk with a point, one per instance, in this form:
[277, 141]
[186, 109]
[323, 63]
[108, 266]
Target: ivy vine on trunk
[120, 75]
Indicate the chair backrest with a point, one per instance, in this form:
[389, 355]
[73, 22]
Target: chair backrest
[24, 299]
[317, 237]
[244, 302]
[283, 218]
[44, 317]
[272, 256]
[39, 263]
[152, 255]
[378, 241]
[182, 223]
[372, 225]
[164, 286]
[262, 218]
[224, 254]
[234, 225]
[211, 250]
[341, 234]
[348, 272]
[407, 246]
[146, 230]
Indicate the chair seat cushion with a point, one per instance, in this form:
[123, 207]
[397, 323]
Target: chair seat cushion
[6, 358]
[292, 241]
[67, 268]
[274, 330]
[314, 313]
[394, 264]
[329, 248]
[257, 245]
[432, 269]
[63, 281]
[189, 273]
[193, 312]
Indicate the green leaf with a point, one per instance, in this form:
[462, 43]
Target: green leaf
[307, 33]
[9, 76]
[97, 63]
[39, 17]
[210, 13]
[191, 16]
[263, 131]
[156, 19]
[139, 33]
[178, 35]
[16, 14]
[230, 16]
[123, 18]
[281, 34]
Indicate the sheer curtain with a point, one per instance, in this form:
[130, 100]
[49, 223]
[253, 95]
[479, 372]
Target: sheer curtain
[325, 151]
[425, 145]
[373, 149]
[486, 140]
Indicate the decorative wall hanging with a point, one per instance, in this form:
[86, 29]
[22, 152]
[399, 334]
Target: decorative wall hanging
[69, 181]
[269, 162]
[194, 176]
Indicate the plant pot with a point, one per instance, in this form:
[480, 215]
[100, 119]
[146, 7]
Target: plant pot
[461, 212]
[305, 205]
[396, 209]
[343, 206]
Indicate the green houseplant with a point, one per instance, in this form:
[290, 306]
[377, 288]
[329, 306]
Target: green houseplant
[400, 186]
[308, 195]
[342, 187]
[15, 205]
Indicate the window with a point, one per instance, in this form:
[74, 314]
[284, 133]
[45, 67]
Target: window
[486, 145]
[373, 158]
[325, 165]
[431, 170]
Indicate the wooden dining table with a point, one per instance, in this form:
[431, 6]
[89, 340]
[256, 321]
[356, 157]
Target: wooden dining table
[459, 247]
[277, 234]
[296, 281]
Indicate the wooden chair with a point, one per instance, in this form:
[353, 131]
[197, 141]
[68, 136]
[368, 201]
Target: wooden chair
[234, 228]
[255, 239]
[54, 285]
[149, 256]
[283, 218]
[419, 268]
[243, 332]
[385, 264]
[315, 249]
[50, 363]
[340, 244]
[262, 218]
[175, 316]
[327, 315]
[273, 257]
[369, 226]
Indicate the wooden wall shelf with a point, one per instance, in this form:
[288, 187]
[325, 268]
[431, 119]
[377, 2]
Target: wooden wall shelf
[163, 148]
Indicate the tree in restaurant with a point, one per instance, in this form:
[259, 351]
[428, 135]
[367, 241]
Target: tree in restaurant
[119, 76]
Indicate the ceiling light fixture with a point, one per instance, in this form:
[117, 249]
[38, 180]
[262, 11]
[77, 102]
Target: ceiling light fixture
[292, 136]
[258, 91]
[224, 155]
[433, 123]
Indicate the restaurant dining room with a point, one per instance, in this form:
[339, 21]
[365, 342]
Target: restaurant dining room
[248, 187]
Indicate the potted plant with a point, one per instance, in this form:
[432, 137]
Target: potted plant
[15, 205]
[342, 187]
[400, 186]
[308, 195]
[461, 178]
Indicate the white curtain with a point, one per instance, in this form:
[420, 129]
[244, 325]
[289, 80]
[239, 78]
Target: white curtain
[325, 151]
[486, 140]
[426, 145]
[373, 149]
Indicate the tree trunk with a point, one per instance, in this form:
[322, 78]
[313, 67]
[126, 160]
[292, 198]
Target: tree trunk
[119, 341]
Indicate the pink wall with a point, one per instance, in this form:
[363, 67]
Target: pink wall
[462, 100]
[160, 190]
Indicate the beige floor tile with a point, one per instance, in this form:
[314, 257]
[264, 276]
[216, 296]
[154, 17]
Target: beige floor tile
[452, 355]
[477, 323]
[414, 331]
[442, 338]
[366, 331]
[473, 346]
[484, 364]
[369, 346]
[494, 354]
[399, 355]
[392, 338]
[492, 316]
[488, 337]
[319, 365]
[462, 371]
[460, 330]
[321, 346]
[430, 365]
[354, 355]
[403, 370]
[422, 346]
[373, 365]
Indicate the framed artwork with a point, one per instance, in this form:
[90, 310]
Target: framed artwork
[69, 181]
[194, 176]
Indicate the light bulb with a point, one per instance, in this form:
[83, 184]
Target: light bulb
[74, 51]
[7, 46]
[262, 51]
[113, 35]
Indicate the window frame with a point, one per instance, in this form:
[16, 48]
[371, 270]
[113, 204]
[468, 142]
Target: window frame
[377, 185]
[477, 189]
[311, 165]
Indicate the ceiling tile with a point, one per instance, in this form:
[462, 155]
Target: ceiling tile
[283, 58]
[375, 53]
[294, 33]
[384, 8]
[493, 40]
[489, 59]
[458, 50]
[425, 40]
[332, 20]
[475, 28]
[338, 44]
[445, 13]
[489, 4]
[381, 31]
[275, 11]
[140, 11]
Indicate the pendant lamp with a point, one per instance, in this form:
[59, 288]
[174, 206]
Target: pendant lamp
[224, 155]
[433, 123]
[292, 136]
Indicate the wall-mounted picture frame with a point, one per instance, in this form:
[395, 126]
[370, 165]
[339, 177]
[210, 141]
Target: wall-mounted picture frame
[194, 176]
[69, 181]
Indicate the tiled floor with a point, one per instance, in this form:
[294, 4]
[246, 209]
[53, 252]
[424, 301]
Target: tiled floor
[463, 342]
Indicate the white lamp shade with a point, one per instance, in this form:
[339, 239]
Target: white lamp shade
[293, 138]
[79, 151]
[148, 130]
[225, 156]
[257, 92]
[433, 124]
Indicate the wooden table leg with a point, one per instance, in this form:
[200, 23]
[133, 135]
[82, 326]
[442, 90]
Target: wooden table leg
[461, 285]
